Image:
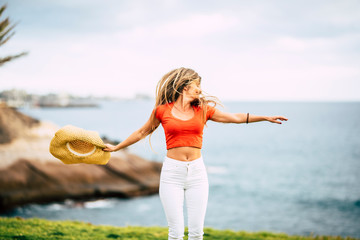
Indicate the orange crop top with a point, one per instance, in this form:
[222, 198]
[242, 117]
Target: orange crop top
[183, 133]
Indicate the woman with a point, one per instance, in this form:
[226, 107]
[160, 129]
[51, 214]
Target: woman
[183, 111]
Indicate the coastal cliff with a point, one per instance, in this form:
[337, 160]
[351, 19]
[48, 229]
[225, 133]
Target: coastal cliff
[30, 174]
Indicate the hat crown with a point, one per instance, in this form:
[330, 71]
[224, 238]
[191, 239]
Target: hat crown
[76, 145]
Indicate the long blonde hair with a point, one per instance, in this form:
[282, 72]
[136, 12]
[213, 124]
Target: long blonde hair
[171, 86]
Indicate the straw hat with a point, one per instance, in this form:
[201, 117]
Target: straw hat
[75, 145]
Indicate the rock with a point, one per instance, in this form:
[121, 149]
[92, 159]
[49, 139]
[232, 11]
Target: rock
[14, 124]
[34, 146]
[30, 174]
[36, 182]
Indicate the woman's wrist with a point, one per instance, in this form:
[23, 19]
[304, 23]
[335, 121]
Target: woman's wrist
[254, 118]
[117, 147]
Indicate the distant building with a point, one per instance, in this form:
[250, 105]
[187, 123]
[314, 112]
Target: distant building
[54, 100]
[20, 98]
[142, 96]
[14, 97]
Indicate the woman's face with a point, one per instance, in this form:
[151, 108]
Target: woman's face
[193, 90]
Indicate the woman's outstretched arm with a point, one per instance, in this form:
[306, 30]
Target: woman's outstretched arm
[136, 136]
[225, 117]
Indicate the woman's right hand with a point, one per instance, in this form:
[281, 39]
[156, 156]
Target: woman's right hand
[109, 148]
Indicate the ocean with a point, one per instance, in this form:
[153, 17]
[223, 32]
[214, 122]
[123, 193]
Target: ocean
[299, 178]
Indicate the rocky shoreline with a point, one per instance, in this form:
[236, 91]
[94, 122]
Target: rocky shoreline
[34, 182]
[30, 174]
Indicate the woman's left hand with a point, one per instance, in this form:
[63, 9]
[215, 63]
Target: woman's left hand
[109, 148]
[277, 119]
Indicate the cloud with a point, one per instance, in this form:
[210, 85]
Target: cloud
[243, 50]
[338, 44]
[194, 27]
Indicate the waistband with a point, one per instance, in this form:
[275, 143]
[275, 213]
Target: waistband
[185, 163]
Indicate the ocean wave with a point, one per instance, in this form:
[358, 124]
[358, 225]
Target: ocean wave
[68, 204]
[103, 203]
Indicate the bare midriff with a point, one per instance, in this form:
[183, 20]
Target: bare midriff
[186, 154]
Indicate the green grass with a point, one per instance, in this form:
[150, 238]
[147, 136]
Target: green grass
[18, 228]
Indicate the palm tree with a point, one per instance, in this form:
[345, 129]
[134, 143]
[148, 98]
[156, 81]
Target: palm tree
[6, 32]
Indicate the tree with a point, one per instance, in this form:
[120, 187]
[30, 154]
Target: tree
[6, 32]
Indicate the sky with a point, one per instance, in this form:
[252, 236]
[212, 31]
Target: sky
[253, 50]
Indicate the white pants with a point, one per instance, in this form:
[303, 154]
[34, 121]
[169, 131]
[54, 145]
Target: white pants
[184, 179]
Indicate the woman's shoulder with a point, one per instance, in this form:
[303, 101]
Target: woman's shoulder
[164, 106]
[160, 109]
[204, 106]
[207, 108]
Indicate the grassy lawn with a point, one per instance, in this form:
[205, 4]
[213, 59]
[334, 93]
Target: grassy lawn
[17, 228]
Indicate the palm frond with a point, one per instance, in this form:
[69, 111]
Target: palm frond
[9, 58]
[6, 32]
[2, 9]
[4, 24]
[2, 42]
